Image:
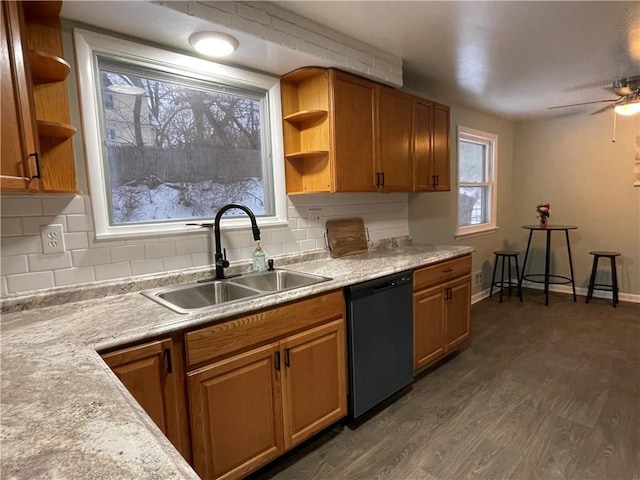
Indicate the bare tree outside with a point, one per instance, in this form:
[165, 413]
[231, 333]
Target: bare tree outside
[178, 150]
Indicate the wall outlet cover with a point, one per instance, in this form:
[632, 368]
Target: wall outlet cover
[52, 239]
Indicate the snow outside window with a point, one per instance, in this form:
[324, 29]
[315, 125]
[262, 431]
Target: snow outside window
[477, 164]
[172, 138]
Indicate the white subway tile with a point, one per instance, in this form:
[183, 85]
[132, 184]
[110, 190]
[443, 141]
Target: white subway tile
[10, 226]
[290, 247]
[10, 265]
[127, 253]
[39, 262]
[178, 262]
[315, 232]
[20, 245]
[95, 256]
[272, 249]
[63, 205]
[79, 223]
[31, 225]
[309, 244]
[113, 270]
[76, 241]
[4, 290]
[74, 276]
[20, 206]
[158, 250]
[280, 236]
[201, 259]
[29, 281]
[300, 234]
[143, 267]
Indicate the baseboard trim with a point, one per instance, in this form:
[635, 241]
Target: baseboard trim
[624, 297]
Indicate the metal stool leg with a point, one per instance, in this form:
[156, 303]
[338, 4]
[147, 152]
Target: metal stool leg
[509, 276]
[493, 277]
[519, 284]
[614, 281]
[593, 278]
[502, 280]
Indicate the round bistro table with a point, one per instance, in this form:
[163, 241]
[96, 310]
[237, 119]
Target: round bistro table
[548, 278]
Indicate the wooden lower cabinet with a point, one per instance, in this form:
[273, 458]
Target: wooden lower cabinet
[236, 414]
[441, 310]
[154, 375]
[249, 408]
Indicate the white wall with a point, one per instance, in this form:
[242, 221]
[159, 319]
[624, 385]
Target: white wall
[572, 163]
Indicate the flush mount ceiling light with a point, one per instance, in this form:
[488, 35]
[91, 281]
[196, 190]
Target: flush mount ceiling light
[213, 44]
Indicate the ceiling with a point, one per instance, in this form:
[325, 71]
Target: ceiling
[512, 59]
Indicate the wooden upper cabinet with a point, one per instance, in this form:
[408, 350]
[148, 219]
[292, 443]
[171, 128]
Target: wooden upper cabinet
[431, 161]
[441, 156]
[395, 137]
[353, 133]
[37, 113]
[154, 374]
[343, 133]
[18, 129]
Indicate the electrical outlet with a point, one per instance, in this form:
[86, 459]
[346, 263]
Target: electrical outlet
[477, 278]
[315, 217]
[52, 239]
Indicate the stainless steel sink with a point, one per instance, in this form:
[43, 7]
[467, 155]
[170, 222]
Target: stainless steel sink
[278, 280]
[198, 296]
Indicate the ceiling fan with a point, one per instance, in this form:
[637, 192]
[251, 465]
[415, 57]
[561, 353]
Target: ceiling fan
[627, 103]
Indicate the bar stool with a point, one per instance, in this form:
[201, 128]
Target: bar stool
[609, 287]
[508, 255]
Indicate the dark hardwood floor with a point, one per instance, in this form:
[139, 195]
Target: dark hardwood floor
[539, 393]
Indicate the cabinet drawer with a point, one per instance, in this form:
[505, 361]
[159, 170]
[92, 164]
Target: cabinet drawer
[441, 272]
[264, 326]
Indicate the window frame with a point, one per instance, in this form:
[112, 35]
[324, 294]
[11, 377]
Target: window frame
[490, 140]
[88, 45]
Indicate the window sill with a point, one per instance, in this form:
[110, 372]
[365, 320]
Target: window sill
[477, 233]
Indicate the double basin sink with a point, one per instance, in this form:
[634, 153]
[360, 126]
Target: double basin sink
[194, 297]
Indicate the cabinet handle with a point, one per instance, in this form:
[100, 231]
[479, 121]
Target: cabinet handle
[277, 361]
[37, 158]
[382, 174]
[433, 180]
[167, 355]
[377, 179]
[287, 360]
[437, 180]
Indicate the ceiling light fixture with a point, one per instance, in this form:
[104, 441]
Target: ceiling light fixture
[630, 107]
[213, 44]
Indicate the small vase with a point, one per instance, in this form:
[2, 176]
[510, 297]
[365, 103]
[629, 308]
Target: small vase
[543, 222]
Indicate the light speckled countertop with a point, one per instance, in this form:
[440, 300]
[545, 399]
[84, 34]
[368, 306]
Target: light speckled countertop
[63, 412]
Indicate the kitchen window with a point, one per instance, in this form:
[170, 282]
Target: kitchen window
[477, 185]
[172, 138]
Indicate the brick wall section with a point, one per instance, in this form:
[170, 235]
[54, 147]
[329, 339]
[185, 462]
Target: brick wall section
[23, 266]
[274, 24]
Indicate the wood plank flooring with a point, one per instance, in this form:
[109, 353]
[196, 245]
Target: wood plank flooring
[540, 393]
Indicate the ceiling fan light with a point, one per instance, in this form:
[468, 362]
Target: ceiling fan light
[213, 44]
[627, 108]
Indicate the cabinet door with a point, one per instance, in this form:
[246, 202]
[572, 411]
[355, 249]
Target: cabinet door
[314, 381]
[423, 178]
[394, 133]
[236, 414]
[428, 326]
[458, 311]
[19, 142]
[152, 373]
[440, 146]
[353, 133]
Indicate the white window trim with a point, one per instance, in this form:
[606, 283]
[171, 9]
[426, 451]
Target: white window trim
[491, 139]
[87, 44]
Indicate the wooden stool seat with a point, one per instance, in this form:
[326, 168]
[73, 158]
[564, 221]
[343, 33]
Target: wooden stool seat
[502, 255]
[608, 287]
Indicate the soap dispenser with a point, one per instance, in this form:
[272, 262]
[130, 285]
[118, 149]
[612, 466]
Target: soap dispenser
[259, 259]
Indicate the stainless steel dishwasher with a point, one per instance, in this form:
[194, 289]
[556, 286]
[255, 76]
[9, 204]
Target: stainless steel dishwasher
[380, 339]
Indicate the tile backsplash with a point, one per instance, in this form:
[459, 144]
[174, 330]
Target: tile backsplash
[24, 266]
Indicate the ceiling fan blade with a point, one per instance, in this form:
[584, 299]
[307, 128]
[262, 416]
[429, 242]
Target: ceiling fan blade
[584, 103]
[603, 109]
